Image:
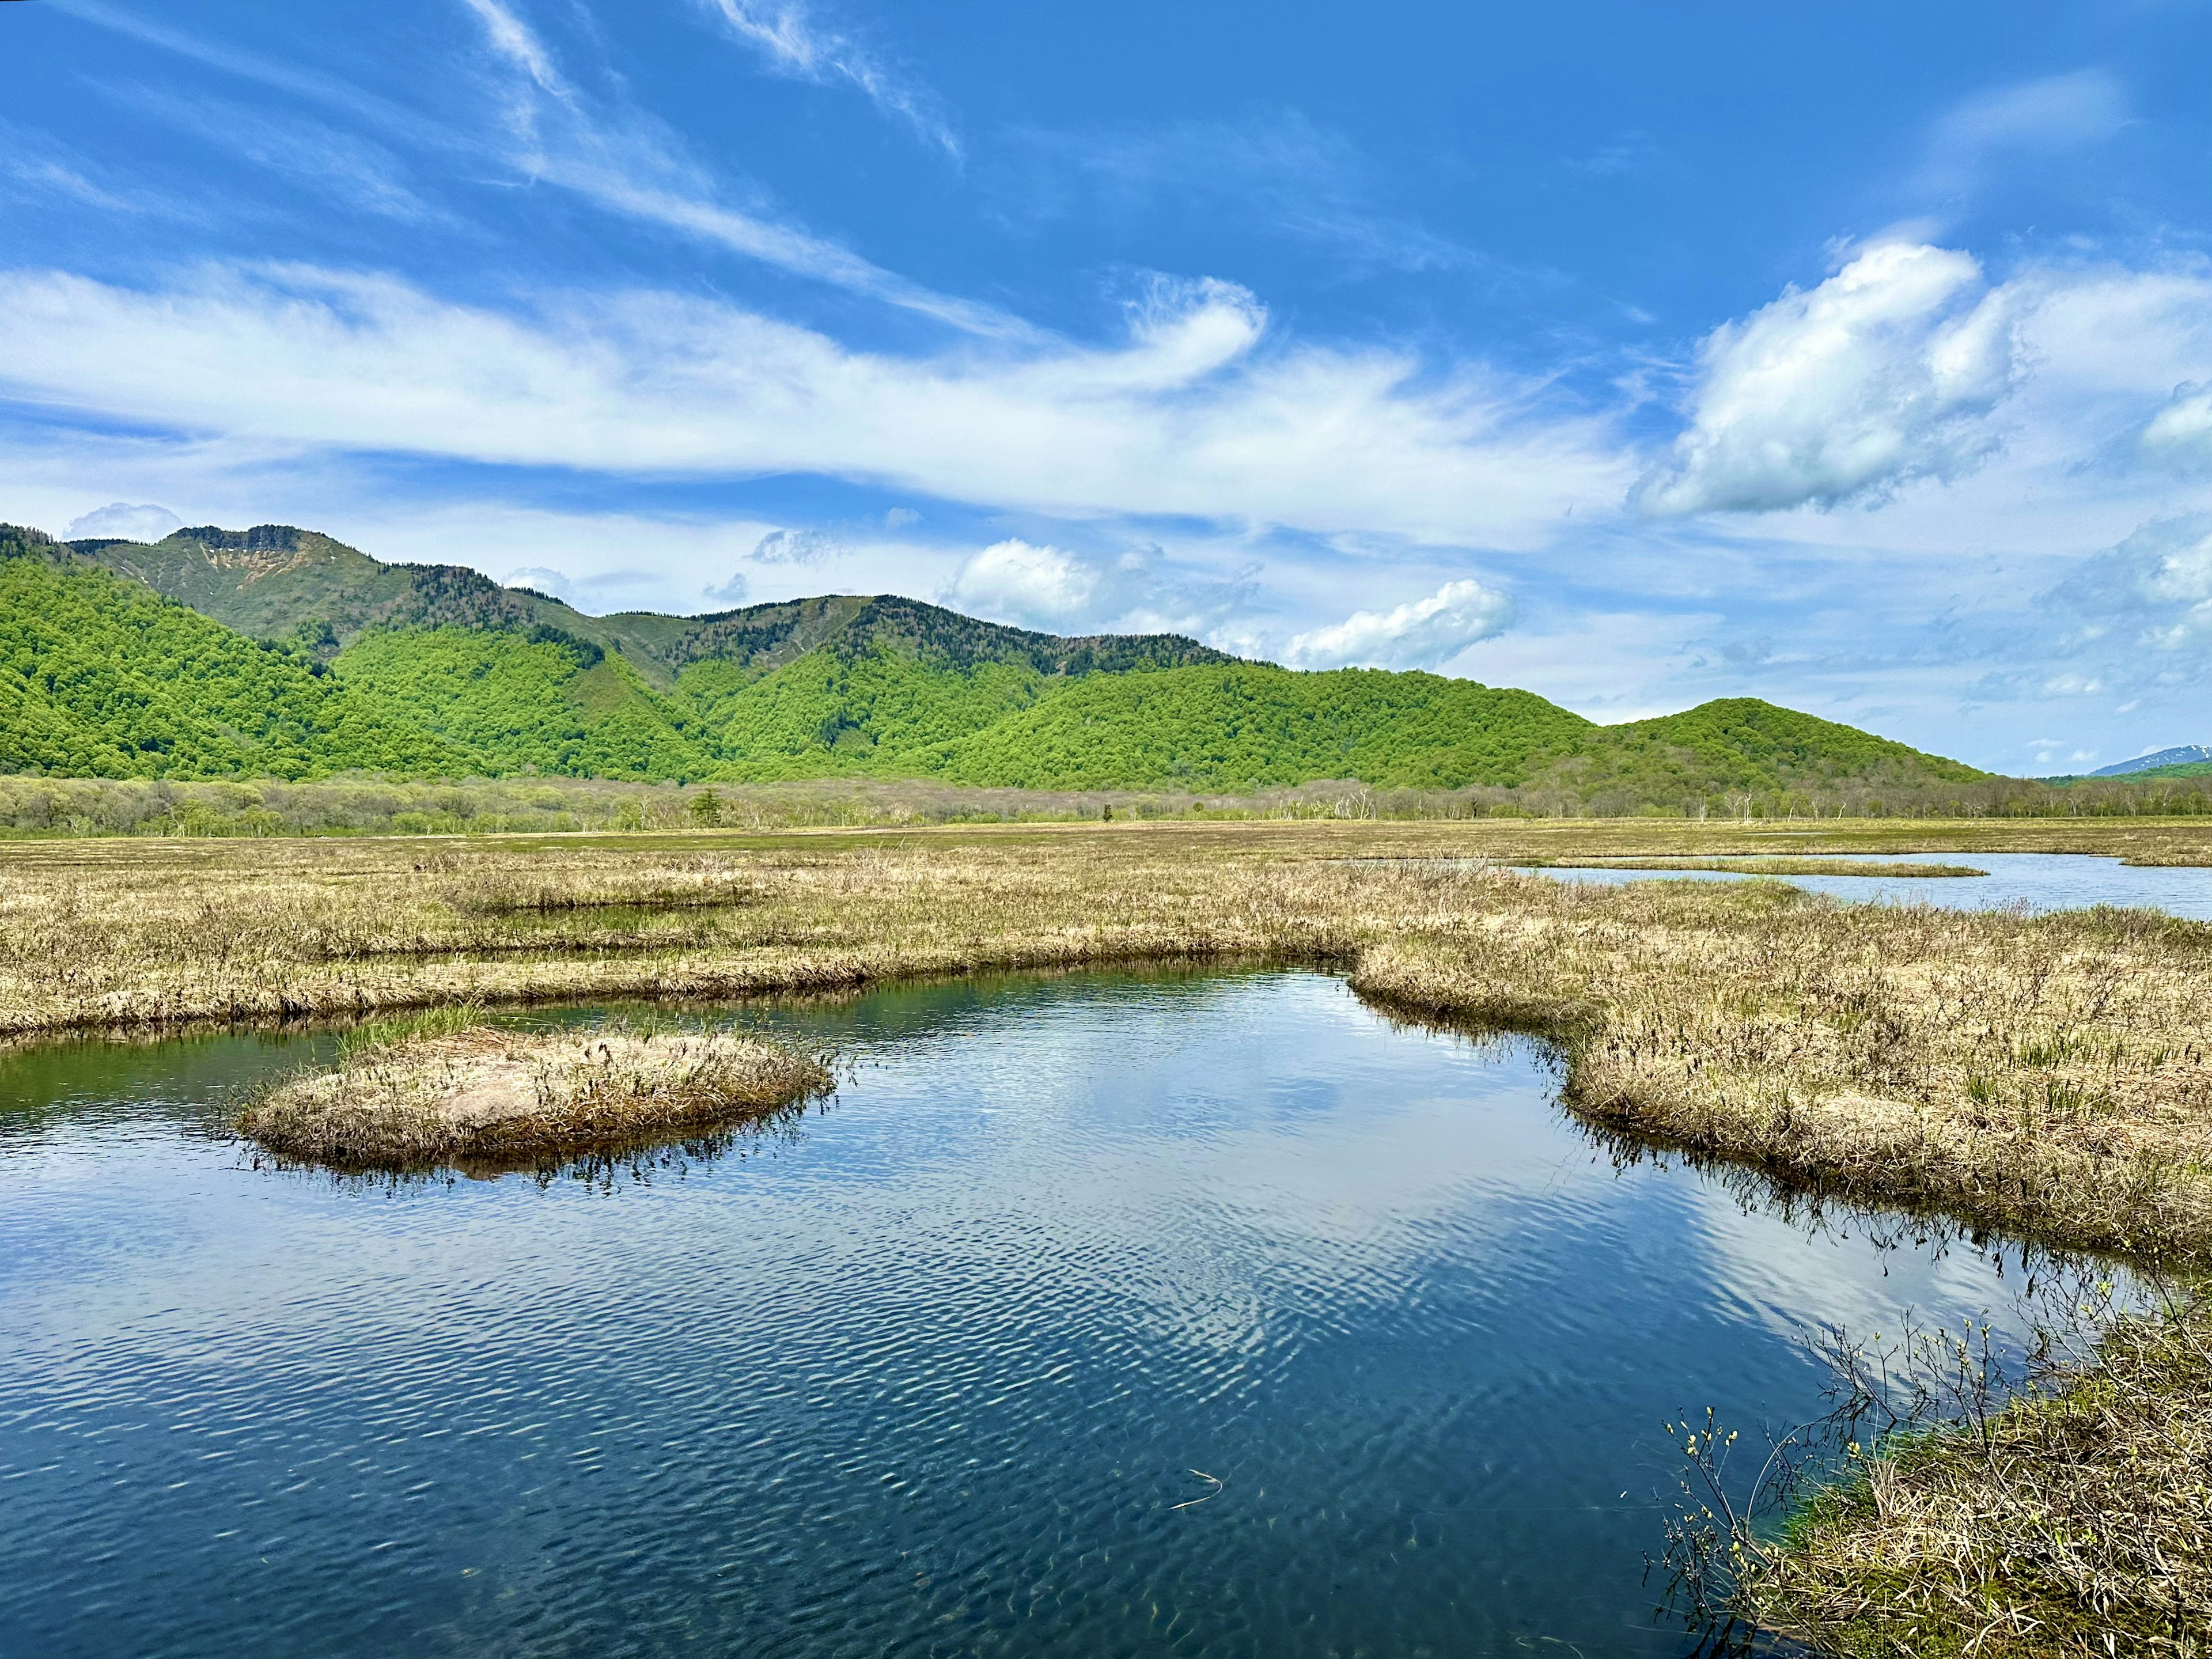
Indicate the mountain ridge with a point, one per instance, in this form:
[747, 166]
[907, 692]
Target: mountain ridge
[2163, 760]
[274, 580]
[439, 667]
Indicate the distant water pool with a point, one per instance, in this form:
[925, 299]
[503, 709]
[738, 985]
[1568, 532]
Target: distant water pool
[2035, 881]
[929, 1373]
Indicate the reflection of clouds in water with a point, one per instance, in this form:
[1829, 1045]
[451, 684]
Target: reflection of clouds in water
[1310, 1154]
[1796, 1277]
[1313, 1160]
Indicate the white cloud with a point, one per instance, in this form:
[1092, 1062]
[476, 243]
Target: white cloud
[34, 166]
[340, 165]
[1190, 416]
[732, 591]
[795, 547]
[545, 579]
[1039, 587]
[1423, 634]
[2183, 429]
[786, 32]
[2138, 617]
[134, 524]
[621, 160]
[1886, 372]
[627, 162]
[1275, 169]
[2038, 117]
[1137, 592]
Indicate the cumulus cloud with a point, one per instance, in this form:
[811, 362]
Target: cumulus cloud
[120, 519]
[1039, 586]
[543, 579]
[1422, 634]
[1188, 414]
[1138, 591]
[2138, 615]
[732, 591]
[1887, 371]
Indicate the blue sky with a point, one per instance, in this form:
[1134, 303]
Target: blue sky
[1855, 357]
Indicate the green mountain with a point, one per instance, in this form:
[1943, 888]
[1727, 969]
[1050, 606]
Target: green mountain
[279, 651]
[100, 677]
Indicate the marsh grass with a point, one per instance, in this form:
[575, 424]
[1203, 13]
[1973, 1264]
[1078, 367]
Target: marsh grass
[444, 1088]
[2072, 1517]
[373, 1037]
[680, 884]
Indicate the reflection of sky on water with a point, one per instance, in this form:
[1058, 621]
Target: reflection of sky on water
[940, 1361]
[2033, 881]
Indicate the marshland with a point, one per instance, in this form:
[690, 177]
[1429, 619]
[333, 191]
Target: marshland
[1900, 1074]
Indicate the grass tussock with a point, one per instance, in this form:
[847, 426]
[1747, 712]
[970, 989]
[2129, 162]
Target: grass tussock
[446, 1089]
[2076, 1523]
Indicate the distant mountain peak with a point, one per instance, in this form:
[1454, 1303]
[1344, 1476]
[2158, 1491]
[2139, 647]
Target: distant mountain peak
[262, 539]
[2188, 754]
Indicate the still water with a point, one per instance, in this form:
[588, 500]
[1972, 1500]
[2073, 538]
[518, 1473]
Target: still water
[927, 1373]
[2031, 881]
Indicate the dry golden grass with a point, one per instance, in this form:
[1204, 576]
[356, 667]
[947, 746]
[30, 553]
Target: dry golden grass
[476, 1095]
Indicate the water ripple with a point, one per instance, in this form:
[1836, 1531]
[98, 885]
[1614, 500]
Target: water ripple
[930, 1378]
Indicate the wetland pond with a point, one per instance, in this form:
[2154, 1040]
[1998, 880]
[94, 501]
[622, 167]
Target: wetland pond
[2031, 881]
[926, 1371]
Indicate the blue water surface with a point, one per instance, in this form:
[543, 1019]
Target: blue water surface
[931, 1371]
[2031, 881]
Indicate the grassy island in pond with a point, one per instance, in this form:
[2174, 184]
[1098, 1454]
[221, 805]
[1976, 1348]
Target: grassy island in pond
[447, 1090]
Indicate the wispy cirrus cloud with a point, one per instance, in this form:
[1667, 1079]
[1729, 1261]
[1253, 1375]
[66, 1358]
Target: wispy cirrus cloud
[35, 167]
[2029, 117]
[603, 149]
[367, 175]
[793, 40]
[628, 162]
[1278, 170]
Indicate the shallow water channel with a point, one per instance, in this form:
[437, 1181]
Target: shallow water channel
[926, 1373]
[2030, 881]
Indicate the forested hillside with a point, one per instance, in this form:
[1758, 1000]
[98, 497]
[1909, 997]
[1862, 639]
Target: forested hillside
[278, 651]
[100, 677]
